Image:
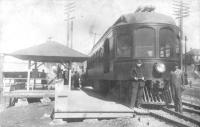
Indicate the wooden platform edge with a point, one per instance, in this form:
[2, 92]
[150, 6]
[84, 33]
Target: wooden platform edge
[92, 115]
[28, 94]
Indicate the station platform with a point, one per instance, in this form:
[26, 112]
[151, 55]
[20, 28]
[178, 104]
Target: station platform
[86, 104]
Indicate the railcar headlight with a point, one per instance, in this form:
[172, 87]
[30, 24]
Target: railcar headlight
[160, 67]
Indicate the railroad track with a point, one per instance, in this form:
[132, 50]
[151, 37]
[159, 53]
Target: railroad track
[194, 106]
[174, 118]
[168, 118]
[189, 118]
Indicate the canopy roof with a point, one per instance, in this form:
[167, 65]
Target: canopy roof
[195, 52]
[50, 51]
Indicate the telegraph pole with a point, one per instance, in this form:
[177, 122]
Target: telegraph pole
[185, 53]
[69, 9]
[181, 10]
[1, 60]
[95, 35]
[1, 71]
[72, 33]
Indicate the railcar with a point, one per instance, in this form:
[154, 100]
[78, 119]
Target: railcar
[148, 36]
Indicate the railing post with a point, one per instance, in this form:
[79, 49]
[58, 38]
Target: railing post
[70, 76]
[29, 75]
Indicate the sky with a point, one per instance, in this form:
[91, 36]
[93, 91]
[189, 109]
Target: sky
[25, 23]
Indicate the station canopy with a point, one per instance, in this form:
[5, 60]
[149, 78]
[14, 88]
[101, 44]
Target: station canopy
[50, 51]
[195, 52]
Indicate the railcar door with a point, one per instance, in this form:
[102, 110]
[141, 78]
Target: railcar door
[106, 62]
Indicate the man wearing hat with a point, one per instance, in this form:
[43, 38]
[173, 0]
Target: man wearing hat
[137, 75]
[177, 85]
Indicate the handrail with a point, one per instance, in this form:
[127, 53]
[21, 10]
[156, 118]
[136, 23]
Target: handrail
[24, 78]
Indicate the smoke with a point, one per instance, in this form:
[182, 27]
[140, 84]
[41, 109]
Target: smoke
[92, 28]
[91, 24]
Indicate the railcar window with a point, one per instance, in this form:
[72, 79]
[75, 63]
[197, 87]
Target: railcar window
[101, 52]
[166, 40]
[144, 39]
[97, 55]
[177, 45]
[124, 46]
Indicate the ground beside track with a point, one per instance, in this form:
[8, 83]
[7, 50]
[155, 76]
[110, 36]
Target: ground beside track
[37, 114]
[192, 94]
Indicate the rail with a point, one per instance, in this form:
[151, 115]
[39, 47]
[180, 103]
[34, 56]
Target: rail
[168, 120]
[189, 117]
[181, 116]
[191, 105]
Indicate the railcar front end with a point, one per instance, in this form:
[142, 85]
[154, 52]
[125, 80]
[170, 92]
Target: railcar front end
[150, 37]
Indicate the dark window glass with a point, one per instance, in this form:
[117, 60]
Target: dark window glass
[177, 45]
[124, 46]
[166, 40]
[101, 52]
[106, 56]
[144, 39]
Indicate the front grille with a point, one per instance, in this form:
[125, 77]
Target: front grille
[161, 96]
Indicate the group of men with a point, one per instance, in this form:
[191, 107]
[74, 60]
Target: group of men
[75, 77]
[138, 83]
[59, 73]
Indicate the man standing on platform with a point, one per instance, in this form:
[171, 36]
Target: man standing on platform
[76, 80]
[137, 75]
[177, 85]
[43, 77]
[66, 76]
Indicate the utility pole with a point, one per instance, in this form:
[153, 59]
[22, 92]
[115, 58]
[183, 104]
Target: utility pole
[72, 33]
[185, 53]
[69, 9]
[181, 10]
[95, 35]
[1, 71]
[1, 60]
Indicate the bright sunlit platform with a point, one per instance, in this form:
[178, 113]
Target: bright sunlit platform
[86, 104]
[29, 94]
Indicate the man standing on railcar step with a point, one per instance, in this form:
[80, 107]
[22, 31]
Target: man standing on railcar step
[137, 75]
[177, 85]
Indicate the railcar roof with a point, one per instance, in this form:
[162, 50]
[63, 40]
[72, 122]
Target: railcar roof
[145, 17]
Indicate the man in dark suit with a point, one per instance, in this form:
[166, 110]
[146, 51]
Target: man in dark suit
[177, 85]
[137, 75]
[76, 79]
[43, 76]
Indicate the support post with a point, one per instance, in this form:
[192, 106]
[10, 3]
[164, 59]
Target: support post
[35, 75]
[69, 75]
[29, 75]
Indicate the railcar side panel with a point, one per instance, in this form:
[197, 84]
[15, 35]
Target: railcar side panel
[122, 69]
[101, 63]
